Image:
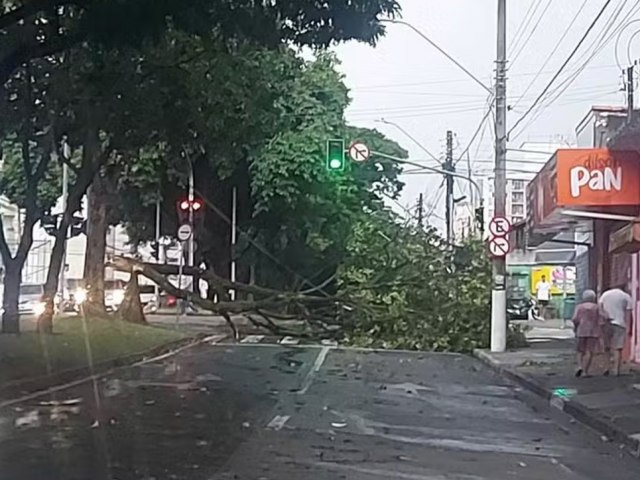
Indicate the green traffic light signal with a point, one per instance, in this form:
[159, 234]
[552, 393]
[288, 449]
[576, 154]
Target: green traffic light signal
[335, 155]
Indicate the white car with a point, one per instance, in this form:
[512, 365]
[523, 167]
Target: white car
[113, 294]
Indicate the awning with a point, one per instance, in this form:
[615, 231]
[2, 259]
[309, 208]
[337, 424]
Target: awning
[555, 257]
[625, 239]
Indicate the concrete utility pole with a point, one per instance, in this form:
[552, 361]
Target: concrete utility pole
[630, 94]
[499, 293]
[191, 244]
[447, 166]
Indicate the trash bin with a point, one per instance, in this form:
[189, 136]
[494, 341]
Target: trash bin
[568, 308]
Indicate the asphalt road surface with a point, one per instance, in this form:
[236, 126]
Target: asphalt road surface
[272, 412]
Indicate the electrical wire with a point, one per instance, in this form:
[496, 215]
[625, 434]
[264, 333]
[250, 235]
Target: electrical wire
[533, 30]
[562, 67]
[550, 56]
[524, 25]
[599, 45]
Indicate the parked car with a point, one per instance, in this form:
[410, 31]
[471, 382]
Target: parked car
[148, 298]
[113, 294]
[30, 299]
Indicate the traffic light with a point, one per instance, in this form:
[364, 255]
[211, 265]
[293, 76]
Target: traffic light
[185, 207]
[49, 223]
[335, 155]
[480, 218]
[155, 250]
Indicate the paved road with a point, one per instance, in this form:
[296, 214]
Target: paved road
[254, 411]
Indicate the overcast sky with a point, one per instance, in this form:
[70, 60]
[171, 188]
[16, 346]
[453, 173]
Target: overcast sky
[405, 80]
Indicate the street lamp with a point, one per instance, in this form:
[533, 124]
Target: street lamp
[413, 139]
[442, 51]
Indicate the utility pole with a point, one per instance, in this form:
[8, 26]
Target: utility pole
[191, 244]
[156, 288]
[66, 154]
[421, 212]
[499, 293]
[448, 167]
[630, 94]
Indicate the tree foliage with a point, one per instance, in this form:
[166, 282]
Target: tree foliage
[412, 290]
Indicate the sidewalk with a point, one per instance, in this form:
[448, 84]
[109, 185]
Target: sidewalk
[610, 405]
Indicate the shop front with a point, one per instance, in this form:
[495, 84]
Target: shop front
[595, 193]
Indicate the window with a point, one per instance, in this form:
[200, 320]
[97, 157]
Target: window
[517, 184]
[517, 197]
[517, 209]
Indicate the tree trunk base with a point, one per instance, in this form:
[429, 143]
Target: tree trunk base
[131, 308]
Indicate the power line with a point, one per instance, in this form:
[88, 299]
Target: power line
[533, 30]
[562, 67]
[524, 25]
[599, 45]
[550, 56]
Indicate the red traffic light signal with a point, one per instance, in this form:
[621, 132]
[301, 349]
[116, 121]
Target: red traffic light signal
[196, 205]
[183, 205]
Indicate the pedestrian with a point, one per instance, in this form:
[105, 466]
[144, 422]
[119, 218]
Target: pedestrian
[588, 322]
[543, 294]
[617, 306]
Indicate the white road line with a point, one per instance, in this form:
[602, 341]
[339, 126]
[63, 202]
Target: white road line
[314, 369]
[278, 422]
[57, 388]
[252, 339]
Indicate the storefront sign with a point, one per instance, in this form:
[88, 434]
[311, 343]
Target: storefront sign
[597, 177]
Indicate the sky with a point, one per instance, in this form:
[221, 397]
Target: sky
[405, 80]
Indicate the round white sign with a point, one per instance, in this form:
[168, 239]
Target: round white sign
[499, 246]
[359, 152]
[499, 226]
[184, 232]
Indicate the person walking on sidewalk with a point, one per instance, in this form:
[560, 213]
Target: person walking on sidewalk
[588, 322]
[543, 294]
[617, 305]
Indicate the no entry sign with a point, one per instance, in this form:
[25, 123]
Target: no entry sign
[499, 226]
[499, 246]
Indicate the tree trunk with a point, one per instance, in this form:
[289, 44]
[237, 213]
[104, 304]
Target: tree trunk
[12, 279]
[92, 157]
[96, 247]
[45, 320]
[131, 308]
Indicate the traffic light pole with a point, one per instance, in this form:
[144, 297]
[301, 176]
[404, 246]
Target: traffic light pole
[499, 292]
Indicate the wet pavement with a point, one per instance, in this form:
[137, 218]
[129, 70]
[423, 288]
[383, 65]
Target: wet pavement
[271, 412]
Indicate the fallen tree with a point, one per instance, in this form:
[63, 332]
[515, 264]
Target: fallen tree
[320, 312]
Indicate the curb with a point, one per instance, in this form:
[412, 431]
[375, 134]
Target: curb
[39, 385]
[572, 408]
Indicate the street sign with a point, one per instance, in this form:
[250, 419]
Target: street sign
[359, 152]
[499, 226]
[184, 232]
[499, 246]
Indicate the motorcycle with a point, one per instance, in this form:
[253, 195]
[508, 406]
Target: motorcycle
[518, 309]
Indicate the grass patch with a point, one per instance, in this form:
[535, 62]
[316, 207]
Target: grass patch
[25, 356]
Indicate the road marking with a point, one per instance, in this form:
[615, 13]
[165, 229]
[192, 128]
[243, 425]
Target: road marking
[278, 422]
[58, 388]
[289, 341]
[252, 339]
[322, 355]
